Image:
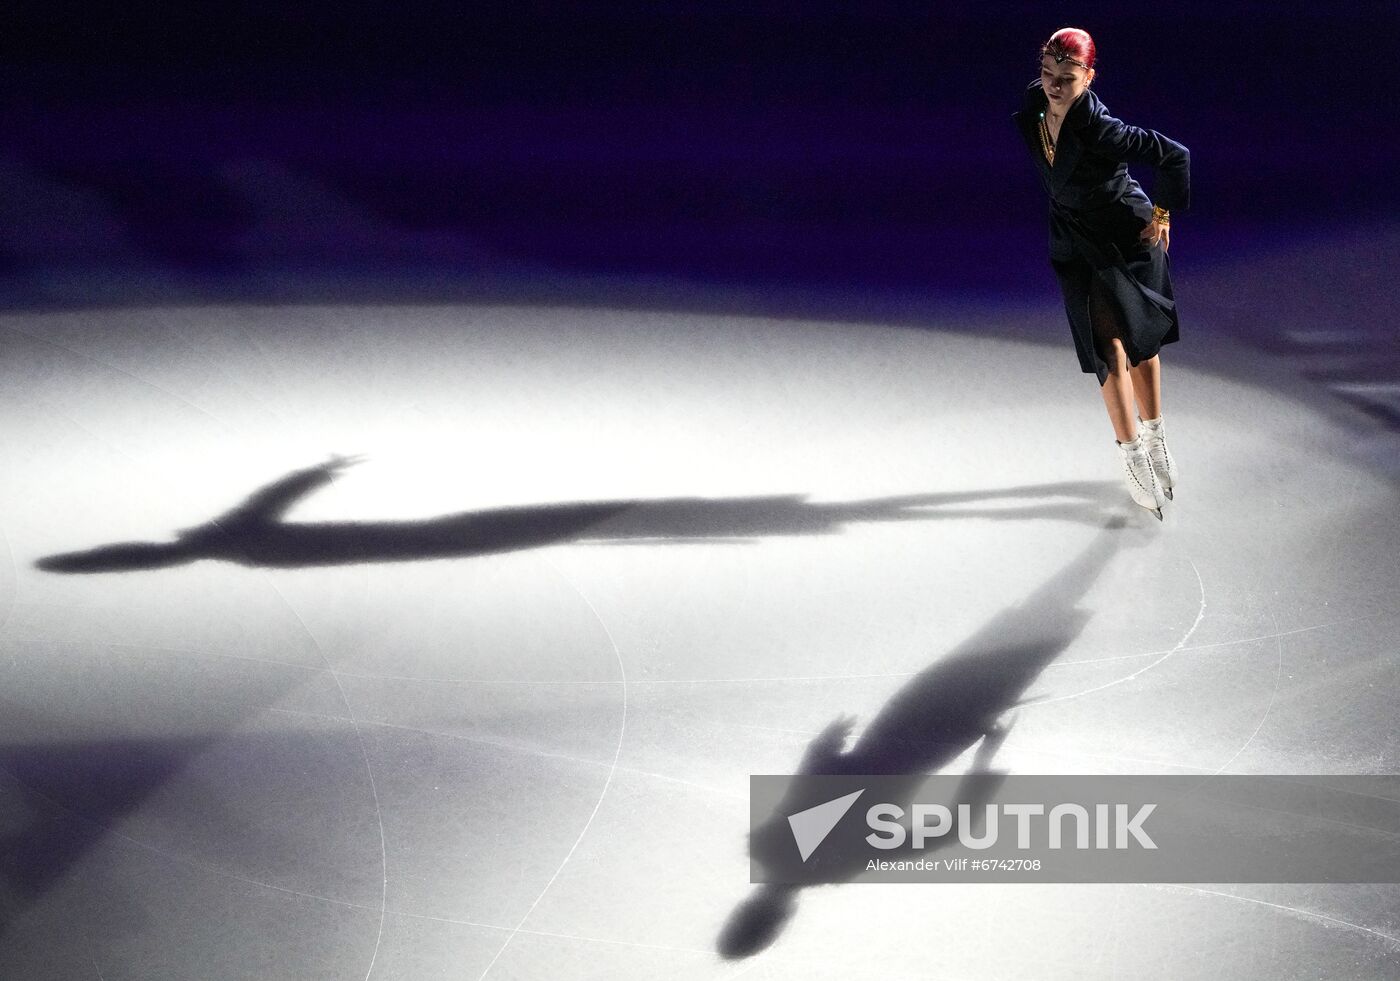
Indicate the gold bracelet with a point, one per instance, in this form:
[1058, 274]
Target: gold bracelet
[1161, 215]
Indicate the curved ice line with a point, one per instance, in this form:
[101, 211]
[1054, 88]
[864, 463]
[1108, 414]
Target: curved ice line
[612, 770]
[1200, 615]
[369, 772]
[1281, 908]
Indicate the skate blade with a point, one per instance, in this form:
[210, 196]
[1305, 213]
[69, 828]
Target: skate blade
[1168, 492]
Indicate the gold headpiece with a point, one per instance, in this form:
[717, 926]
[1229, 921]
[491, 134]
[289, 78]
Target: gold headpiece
[1061, 56]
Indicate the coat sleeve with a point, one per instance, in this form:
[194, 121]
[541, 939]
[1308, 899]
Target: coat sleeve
[1117, 140]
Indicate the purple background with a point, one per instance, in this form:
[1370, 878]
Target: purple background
[859, 145]
[810, 158]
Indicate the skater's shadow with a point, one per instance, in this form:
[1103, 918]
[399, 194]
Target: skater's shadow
[254, 533]
[75, 793]
[67, 794]
[939, 714]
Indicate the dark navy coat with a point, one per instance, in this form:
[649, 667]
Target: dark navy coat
[1097, 213]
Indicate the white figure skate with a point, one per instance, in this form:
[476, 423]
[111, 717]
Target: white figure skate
[1142, 482]
[1154, 438]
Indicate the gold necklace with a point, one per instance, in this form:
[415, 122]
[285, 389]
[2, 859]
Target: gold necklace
[1047, 144]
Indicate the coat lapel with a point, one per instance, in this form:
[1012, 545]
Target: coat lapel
[1026, 123]
[1067, 147]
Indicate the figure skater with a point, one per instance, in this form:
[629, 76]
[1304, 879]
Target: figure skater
[1108, 247]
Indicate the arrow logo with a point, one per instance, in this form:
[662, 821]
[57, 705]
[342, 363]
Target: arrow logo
[810, 827]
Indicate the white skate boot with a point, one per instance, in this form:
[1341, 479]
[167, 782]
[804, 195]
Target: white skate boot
[1142, 482]
[1154, 438]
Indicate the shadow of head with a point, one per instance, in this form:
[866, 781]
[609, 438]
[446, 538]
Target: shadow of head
[757, 921]
[120, 557]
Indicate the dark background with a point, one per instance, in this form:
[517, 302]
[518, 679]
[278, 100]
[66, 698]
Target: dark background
[846, 146]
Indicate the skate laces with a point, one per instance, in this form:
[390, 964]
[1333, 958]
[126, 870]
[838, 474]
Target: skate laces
[1154, 441]
[1138, 464]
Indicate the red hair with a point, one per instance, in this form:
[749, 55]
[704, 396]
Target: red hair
[1072, 42]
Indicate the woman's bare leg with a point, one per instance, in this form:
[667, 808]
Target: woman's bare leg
[1105, 321]
[1147, 385]
[1117, 392]
[1118, 397]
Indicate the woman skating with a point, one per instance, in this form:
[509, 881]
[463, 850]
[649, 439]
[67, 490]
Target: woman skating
[1108, 247]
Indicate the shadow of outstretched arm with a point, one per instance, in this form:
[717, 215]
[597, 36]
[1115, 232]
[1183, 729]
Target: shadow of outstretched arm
[271, 503]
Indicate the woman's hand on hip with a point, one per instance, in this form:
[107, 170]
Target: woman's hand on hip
[1156, 231]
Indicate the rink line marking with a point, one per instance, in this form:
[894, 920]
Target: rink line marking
[182, 859]
[177, 859]
[120, 371]
[553, 935]
[612, 770]
[196, 863]
[378, 817]
[1178, 649]
[1230, 643]
[1082, 754]
[516, 748]
[1279, 907]
[316, 668]
[745, 969]
[875, 676]
[369, 770]
[1200, 615]
[466, 682]
[1059, 754]
[96, 436]
[804, 733]
[261, 350]
[1273, 696]
[93, 360]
